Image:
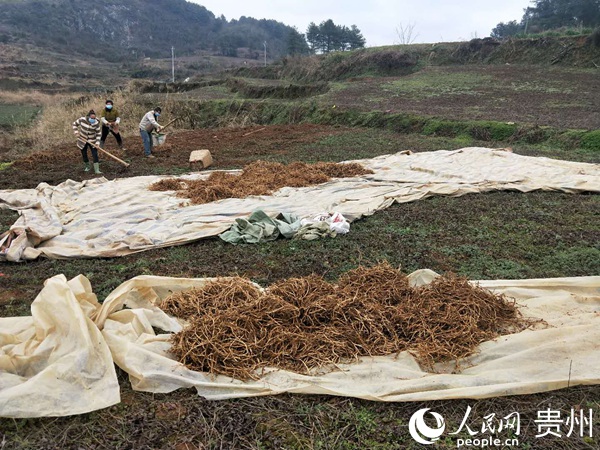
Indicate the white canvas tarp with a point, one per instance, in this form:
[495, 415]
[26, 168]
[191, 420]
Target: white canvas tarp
[100, 218]
[59, 361]
[56, 362]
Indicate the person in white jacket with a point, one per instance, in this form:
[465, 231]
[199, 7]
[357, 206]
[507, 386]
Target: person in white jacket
[147, 125]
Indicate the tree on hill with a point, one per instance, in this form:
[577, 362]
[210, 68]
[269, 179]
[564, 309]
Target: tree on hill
[296, 43]
[313, 36]
[251, 33]
[507, 29]
[354, 38]
[328, 37]
[551, 14]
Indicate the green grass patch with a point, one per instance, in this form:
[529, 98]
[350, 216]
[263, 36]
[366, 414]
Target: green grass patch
[481, 130]
[585, 260]
[17, 115]
[557, 32]
[7, 218]
[362, 143]
[546, 86]
[591, 140]
[437, 83]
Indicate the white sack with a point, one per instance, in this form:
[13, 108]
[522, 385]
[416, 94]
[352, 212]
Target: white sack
[100, 218]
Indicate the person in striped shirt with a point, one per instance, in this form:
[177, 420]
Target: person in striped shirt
[87, 129]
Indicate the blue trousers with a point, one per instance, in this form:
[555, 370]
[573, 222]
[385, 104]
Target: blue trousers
[147, 140]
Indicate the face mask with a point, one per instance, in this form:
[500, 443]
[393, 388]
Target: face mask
[109, 107]
[157, 114]
[92, 121]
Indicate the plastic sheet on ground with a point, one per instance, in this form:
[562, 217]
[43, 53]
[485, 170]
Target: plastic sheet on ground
[57, 363]
[100, 218]
[259, 227]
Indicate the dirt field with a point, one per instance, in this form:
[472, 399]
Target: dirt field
[554, 96]
[230, 148]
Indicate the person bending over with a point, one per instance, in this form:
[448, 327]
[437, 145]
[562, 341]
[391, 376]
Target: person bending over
[147, 125]
[110, 123]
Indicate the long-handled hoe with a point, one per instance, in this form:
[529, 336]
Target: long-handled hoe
[97, 147]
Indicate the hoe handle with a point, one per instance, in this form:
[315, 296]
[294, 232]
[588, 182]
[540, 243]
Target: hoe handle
[97, 147]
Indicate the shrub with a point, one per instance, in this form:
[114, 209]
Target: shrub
[483, 131]
[531, 134]
[569, 139]
[591, 140]
[502, 131]
[464, 139]
[442, 128]
[594, 38]
[492, 131]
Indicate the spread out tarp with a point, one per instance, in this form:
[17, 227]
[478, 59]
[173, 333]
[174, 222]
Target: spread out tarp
[59, 361]
[100, 218]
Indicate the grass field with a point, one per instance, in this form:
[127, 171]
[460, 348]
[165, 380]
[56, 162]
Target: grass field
[17, 115]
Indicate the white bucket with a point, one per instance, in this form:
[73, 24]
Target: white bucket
[158, 138]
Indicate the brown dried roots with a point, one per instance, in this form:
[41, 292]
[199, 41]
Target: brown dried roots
[258, 178]
[306, 323]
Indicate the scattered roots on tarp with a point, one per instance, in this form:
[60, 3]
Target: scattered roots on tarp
[258, 178]
[300, 324]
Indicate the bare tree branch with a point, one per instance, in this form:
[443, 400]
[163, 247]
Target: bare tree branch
[406, 33]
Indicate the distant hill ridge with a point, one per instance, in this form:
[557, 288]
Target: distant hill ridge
[117, 30]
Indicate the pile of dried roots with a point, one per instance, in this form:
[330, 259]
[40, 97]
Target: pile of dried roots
[258, 178]
[299, 324]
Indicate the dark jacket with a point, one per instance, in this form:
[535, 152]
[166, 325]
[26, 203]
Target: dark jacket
[109, 116]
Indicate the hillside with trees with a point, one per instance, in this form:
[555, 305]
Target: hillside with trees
[116, 30]
[547, 15]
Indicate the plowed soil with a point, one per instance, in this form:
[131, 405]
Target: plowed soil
[229, 147]
[552, 96]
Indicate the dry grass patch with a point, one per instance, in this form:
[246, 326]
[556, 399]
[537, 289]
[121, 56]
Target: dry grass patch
[27, 97]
